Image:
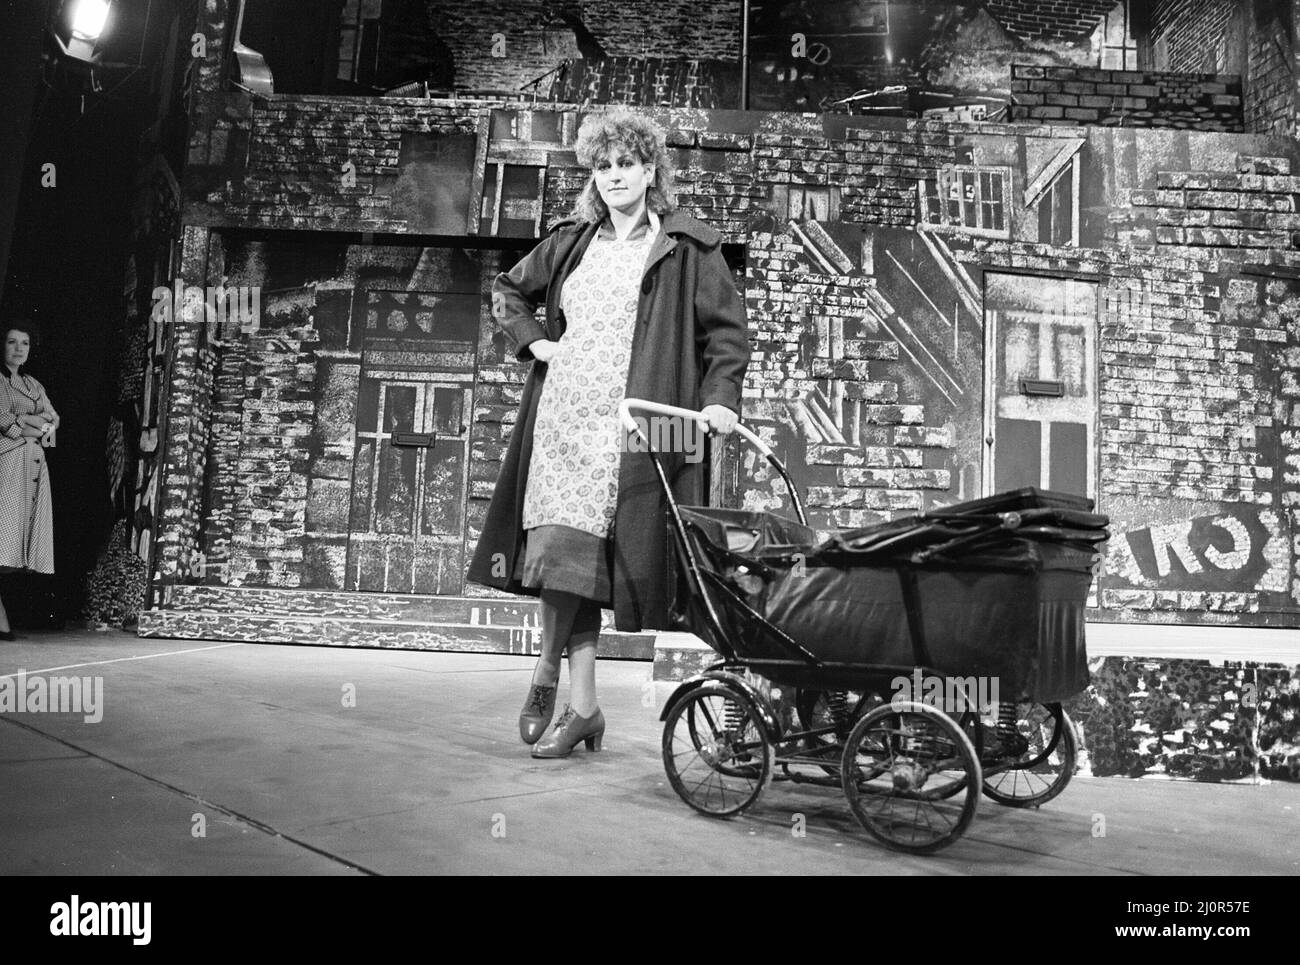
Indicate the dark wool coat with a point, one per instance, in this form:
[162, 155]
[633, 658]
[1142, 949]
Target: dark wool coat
[690, 348]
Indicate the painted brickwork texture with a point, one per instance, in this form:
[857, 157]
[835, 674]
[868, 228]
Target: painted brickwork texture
[320, 166]
[1062, 20]
[1246, 38]
[1271, 91]
[187, 417]
[535, 39]
[1189, 30]
[1198, 407]
[879, 446]
[1125, 98]
[270, 474]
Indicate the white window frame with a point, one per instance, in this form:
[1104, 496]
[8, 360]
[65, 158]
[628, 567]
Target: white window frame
[941, 185]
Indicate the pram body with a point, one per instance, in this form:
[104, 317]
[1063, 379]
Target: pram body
[993, 587]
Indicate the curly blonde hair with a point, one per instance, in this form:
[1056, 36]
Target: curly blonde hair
[599, 135]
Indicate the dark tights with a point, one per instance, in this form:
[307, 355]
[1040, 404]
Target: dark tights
[572, 623]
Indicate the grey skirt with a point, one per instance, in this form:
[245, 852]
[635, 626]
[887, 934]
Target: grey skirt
[562, 558]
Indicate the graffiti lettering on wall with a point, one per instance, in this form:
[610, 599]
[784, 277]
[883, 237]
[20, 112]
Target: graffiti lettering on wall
[1241, 549]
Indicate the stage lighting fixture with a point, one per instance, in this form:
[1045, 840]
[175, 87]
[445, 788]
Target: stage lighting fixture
[89, 17]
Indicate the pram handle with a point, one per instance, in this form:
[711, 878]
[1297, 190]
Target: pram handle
[630, 424]
[660, 408]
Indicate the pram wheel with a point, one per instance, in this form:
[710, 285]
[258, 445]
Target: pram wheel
[911, 777]
[715, 750]
[1046, 763]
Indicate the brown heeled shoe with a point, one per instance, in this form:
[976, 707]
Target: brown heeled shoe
[538, 710]
[569, 730]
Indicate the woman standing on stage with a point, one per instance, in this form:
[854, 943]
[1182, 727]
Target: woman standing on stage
[639, 303]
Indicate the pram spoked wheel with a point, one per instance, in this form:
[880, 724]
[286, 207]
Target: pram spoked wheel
[911, 776]
[715, 750]
[1046, 760]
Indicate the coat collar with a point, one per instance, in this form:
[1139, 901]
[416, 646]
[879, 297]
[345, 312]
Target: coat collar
[576, 235]
[24, 385]
[649, 228]
[675, 223]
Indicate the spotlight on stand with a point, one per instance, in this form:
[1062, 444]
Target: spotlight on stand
[87, 19]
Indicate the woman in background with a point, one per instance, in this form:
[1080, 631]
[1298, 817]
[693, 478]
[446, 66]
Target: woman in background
[27, 425]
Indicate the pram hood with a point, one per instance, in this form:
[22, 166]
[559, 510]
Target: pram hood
[1004, 530]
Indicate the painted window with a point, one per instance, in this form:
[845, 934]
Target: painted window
[358, 39]
[968, 198]
[809, 203]
[1058, 208]
[511, 204]
[1113, 42]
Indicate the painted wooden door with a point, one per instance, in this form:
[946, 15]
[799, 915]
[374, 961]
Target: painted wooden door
[407, 527]
[1040, 384]
[410, 473]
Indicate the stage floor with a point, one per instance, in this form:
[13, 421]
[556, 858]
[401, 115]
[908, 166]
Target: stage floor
[254, 746]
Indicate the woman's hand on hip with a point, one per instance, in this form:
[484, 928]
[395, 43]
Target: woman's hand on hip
[543, 349]
[721, 419]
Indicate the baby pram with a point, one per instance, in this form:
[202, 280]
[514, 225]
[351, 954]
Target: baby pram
[928, 656]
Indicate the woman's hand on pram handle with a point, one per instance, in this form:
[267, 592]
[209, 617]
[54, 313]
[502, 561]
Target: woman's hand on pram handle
[720, 419]
[626, 407]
